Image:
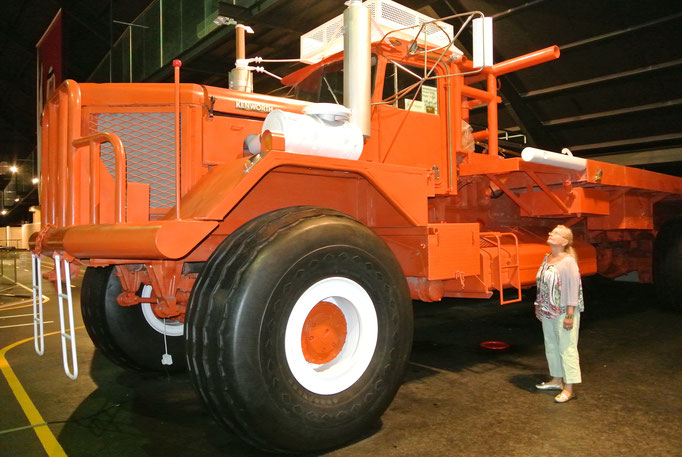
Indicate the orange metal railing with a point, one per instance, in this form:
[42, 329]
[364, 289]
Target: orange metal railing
[495, 239]
[120, 177]
[489, 96]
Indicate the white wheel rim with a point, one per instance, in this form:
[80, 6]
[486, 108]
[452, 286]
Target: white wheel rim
[361, 338]
[169, 327]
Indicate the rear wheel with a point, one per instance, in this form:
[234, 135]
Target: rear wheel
[130, 336]
[299, 330]
[667, 264]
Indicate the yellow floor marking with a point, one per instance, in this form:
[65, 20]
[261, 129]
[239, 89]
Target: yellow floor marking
[23, 325]
[45, 435]
[20, 302]
[12, 306]
[15, 315]
[15, 305]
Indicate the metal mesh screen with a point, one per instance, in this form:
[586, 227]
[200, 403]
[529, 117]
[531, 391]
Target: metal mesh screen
[149, 141]
[487, 243]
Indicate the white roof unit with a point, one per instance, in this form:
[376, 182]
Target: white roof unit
[327, 39]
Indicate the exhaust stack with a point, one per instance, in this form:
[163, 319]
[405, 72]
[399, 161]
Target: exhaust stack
[241, 78]
[357, 64]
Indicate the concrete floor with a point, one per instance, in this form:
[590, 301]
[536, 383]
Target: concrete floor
[458, 399]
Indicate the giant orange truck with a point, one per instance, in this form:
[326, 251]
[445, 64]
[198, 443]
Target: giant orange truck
[272, 246]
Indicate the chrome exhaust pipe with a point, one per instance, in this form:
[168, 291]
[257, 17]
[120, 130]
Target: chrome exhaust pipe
[357, 64]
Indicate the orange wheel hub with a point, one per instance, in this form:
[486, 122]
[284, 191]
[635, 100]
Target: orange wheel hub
[324, 333]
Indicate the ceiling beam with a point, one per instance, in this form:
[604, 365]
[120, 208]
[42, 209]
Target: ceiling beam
[601, 79]
[657, 139]
[606, 36]
[510, 11]
[642, 157]
[612, 113]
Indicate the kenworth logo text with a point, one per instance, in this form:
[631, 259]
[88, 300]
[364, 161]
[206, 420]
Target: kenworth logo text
[250, 106]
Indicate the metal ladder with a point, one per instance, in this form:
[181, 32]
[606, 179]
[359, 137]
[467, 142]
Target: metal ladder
[61, 265]
[38, 330]
[514, 257]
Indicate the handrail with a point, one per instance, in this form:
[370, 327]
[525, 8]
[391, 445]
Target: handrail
[176, 89]
[516, 63]
[489, 95]
[498, 236]
[120, 179]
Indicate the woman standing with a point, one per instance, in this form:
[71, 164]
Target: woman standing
[558, 306]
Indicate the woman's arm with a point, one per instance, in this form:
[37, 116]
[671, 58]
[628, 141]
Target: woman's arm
[570, 288]
[569, 275]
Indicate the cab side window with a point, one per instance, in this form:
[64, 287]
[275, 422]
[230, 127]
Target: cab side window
[325, 85]
[402, 89]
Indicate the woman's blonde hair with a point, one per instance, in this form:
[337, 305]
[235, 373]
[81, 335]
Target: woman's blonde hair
[567, 234]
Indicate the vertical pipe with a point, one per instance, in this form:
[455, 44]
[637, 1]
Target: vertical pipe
[456, 123]
[449, 120]
[161, 61]
[241, 41]
[52, 159]
[357, 64]
[176, 66]
[111, 41]
[241, 78]
[130, 54]
[492, 115]
[72, 174]
[62, 150]
[94, 183]
[47, 208]
[121, 180]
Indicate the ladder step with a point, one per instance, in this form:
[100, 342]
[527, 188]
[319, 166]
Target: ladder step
[64, 296]
[67, 336]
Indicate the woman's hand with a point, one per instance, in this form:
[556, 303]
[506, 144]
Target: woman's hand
[568, 322]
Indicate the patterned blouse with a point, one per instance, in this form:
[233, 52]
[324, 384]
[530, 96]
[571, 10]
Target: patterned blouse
[559, 286]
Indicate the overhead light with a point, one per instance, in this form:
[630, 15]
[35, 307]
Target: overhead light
[16, 199]
[3, 212]
[13, 169]
[224, 20]
[229, 13]
[35, 180]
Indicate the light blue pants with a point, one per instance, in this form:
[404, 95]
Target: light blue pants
[561, 348]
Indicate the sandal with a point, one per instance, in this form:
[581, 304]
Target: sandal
[548, 386]
[564, 396]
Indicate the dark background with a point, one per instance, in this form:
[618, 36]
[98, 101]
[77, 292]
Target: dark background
[614, 92]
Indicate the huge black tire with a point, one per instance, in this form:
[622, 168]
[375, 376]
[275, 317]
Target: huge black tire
[667, 264]
[290, 276]
[130, 336]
